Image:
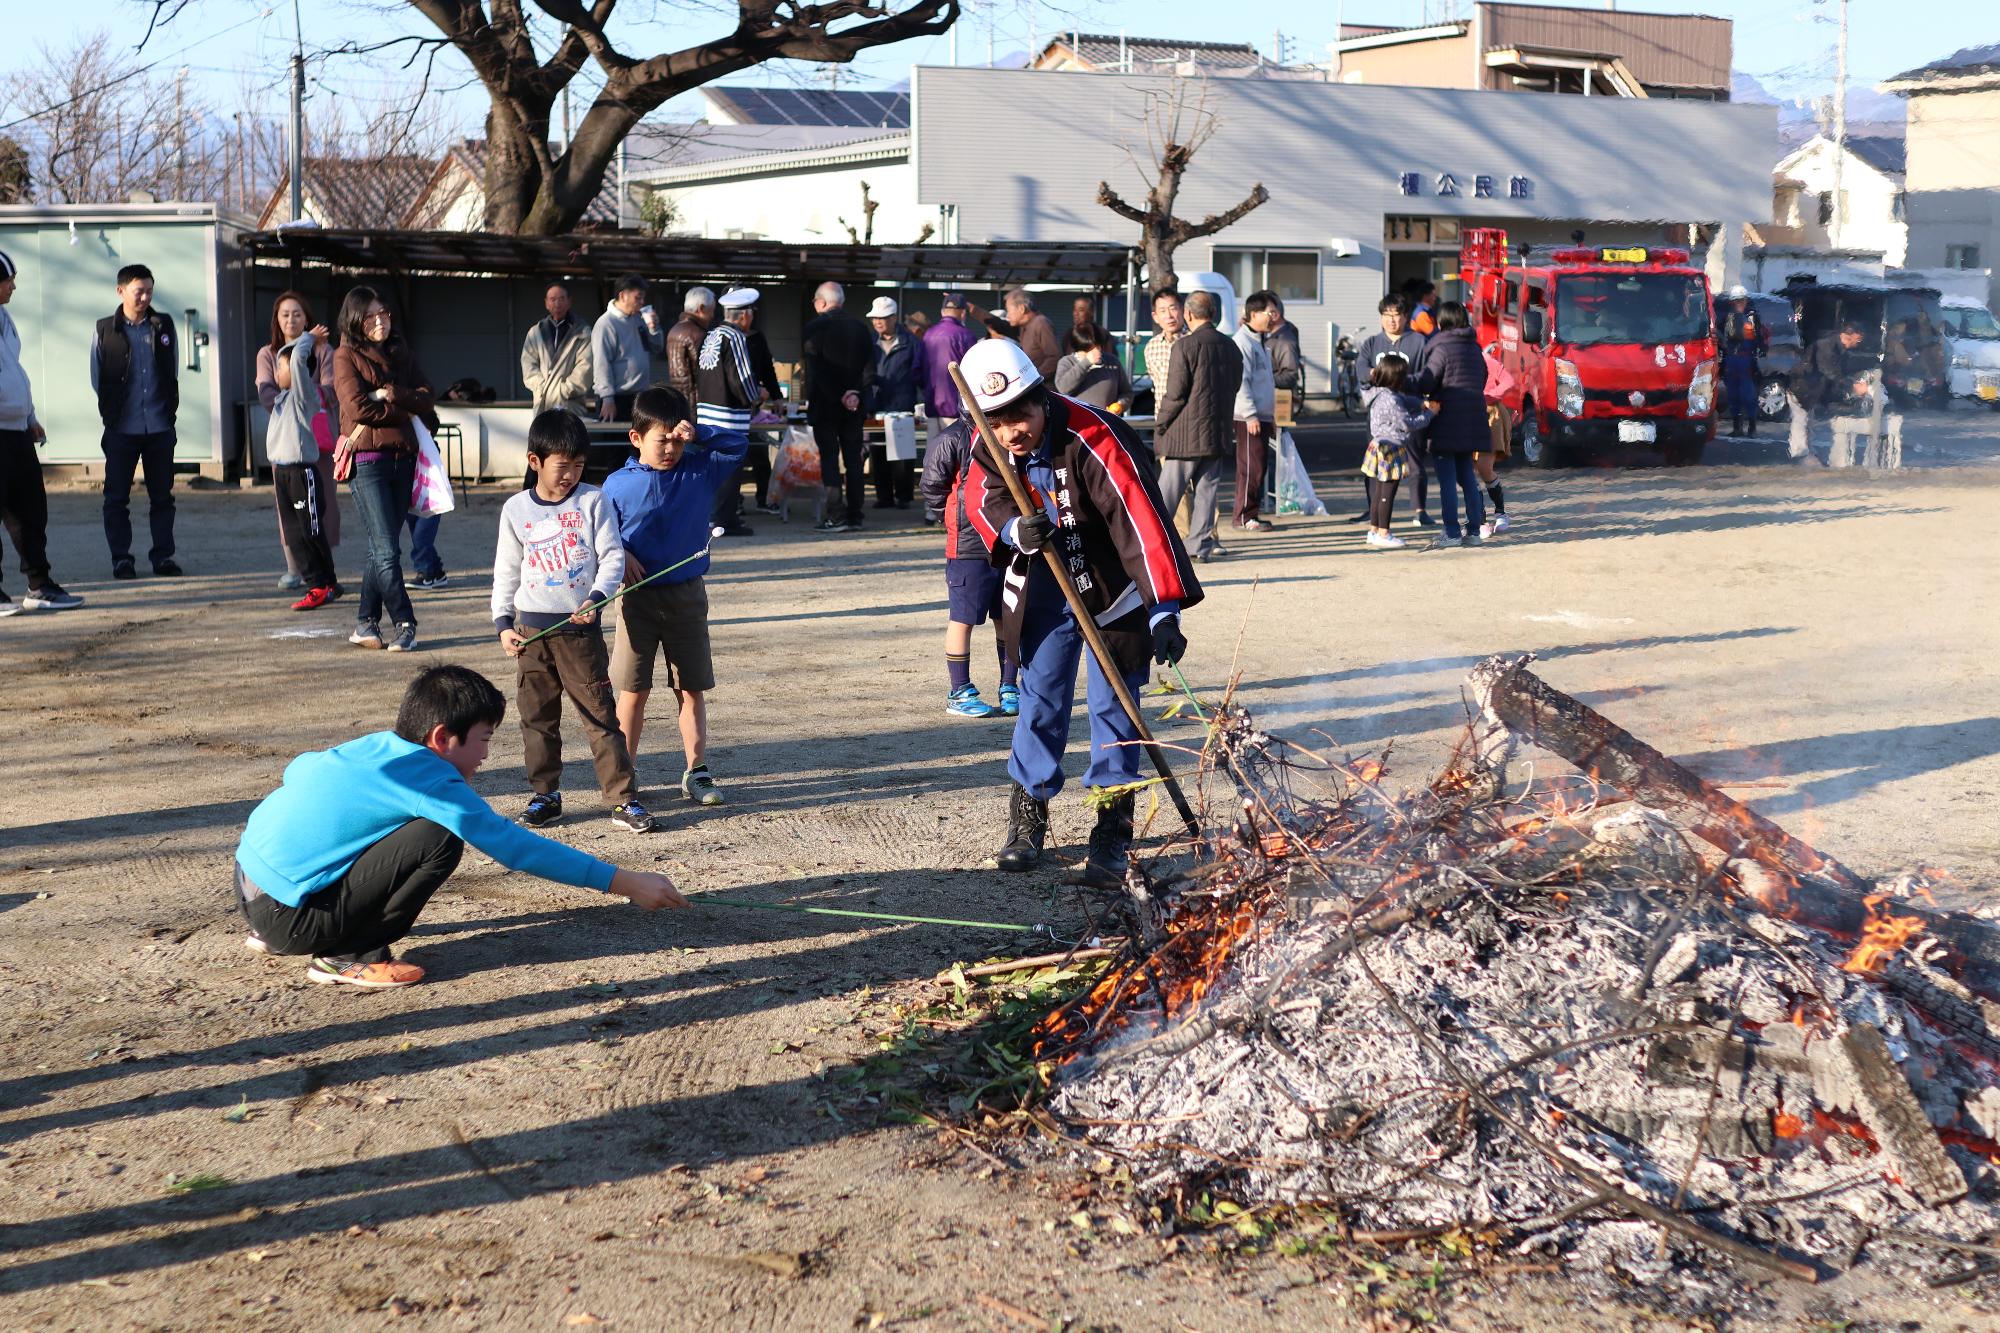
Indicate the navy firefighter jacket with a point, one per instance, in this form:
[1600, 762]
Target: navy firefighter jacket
[1112, 530]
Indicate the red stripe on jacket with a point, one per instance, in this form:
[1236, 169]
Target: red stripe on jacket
[975, 510]
[1162, 571]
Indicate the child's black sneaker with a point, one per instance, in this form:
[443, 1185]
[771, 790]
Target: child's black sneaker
[699, 787]
[632, 817]
[544, 808]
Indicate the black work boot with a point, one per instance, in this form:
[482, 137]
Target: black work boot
[1110, 843]
[1027, 827]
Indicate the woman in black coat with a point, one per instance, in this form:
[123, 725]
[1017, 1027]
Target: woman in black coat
[1454, 378]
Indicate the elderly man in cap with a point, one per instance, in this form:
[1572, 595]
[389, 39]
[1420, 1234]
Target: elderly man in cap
[1102, 510]
[726, 397]
[946, 341]
[897, 400]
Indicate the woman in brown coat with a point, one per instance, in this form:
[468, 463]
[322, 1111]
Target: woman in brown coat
[382, 391]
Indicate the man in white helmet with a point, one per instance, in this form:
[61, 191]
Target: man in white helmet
[1743, 339]
[1100, 506]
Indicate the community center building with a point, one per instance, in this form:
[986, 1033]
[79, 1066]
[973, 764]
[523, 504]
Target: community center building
[1369, 185]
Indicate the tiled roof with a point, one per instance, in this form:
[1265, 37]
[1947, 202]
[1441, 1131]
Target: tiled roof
[1883, 153]
[362, 192]
[1972, 60]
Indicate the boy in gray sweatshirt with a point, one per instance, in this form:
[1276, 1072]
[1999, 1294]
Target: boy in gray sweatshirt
[559, 558]
[292, 447]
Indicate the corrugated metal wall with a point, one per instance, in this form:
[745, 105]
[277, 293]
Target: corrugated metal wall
[1682, 50]
[1020, 153]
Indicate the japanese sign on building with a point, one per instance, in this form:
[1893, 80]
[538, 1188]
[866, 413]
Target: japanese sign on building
[1456, 185]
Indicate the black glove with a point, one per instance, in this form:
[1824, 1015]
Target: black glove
[1033, 531]
[1169, 644]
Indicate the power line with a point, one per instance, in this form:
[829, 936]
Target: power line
[133, 73]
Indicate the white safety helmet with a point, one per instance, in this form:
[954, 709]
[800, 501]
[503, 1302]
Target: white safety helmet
[1737, 293]
[998, 371]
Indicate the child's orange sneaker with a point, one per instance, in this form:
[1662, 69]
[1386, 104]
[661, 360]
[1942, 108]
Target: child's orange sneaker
[366, 976]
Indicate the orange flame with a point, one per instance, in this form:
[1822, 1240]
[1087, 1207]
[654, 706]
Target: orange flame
[1787, 1126]
[1882, 938]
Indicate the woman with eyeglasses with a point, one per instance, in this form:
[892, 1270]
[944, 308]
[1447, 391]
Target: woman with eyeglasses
[382, 392]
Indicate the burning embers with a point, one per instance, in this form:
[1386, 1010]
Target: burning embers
[1632, 1016]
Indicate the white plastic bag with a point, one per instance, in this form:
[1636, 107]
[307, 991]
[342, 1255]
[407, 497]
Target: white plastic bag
[900, 430]
[1295, 487]
[430, 491]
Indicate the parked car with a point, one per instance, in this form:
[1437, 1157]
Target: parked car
[1973, 336]
[1780, 358]
[1902, 328]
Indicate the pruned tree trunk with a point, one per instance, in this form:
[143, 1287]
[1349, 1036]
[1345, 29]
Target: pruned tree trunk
[1178, 123]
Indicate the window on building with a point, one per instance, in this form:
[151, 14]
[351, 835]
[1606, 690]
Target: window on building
[1825, 207]
[1292, 274]
[1961, 256]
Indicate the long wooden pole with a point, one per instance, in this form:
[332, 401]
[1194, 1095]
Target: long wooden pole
[1091, 635]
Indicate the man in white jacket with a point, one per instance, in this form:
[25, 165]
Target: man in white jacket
[24, 504]
[1256, 410]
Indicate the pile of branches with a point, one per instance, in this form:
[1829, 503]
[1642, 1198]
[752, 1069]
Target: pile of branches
[1616, 1015]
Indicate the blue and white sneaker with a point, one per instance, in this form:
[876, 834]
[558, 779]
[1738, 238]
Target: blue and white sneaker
[1010, 701]
[544, 808]
[965, 702]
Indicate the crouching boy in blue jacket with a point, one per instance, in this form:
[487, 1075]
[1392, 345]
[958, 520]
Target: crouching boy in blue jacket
[339, 861]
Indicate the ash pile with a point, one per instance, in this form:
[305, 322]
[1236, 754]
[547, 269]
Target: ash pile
[1616, 1016]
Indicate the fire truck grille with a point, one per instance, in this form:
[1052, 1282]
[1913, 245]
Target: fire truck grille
[1623, 397]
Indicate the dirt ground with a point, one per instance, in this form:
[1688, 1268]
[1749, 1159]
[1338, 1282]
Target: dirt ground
[588, 1114]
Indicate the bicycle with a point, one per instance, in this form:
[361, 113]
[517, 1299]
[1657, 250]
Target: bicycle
[1348, 387]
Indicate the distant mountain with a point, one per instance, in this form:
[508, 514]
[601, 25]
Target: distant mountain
[1869, 113]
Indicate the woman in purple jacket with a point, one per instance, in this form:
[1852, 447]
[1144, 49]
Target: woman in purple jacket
[1454, 379]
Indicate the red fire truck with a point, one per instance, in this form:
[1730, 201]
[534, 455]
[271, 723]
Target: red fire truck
[1611, 348]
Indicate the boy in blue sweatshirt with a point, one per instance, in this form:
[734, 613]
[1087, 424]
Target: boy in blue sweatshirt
[338, 862]
[662, 500]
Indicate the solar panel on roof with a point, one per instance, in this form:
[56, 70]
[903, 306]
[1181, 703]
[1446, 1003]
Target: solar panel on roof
[856, 108]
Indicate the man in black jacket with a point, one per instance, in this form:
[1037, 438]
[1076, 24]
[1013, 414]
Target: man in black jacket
[839, 358]
[134, 370]
[1832, 382]
[1194, 426]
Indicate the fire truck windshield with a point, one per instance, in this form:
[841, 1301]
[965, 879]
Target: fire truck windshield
[1630, 308]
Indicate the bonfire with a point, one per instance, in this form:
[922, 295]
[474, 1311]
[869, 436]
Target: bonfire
[1597, 1008]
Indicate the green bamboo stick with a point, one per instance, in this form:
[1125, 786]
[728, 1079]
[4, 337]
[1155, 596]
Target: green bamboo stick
[702, 898]
[620, 593]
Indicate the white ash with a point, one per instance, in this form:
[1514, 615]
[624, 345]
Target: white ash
[1327, 1097]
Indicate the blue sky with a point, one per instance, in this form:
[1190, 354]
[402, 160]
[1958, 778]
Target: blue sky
[229, 45]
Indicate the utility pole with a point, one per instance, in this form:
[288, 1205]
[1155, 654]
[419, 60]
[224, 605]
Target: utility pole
[295, 151]
[1839, 125]
[180, 134]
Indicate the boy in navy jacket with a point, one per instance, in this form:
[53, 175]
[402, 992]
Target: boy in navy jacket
[662, 500]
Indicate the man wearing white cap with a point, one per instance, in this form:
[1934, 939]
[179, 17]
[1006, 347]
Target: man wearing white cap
[1743, 339]
[896, 399]
[1102, 509]
[726, 395]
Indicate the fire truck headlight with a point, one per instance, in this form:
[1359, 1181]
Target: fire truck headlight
[1569, 389]
[1701, 390]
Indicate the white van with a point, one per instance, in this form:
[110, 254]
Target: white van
[1973, 337]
